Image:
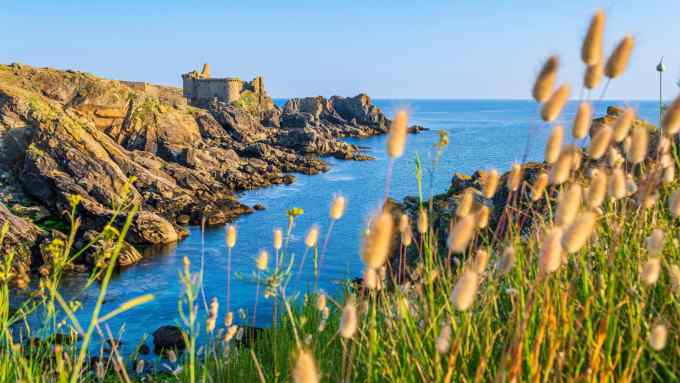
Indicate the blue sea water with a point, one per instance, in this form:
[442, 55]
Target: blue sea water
[482, 134]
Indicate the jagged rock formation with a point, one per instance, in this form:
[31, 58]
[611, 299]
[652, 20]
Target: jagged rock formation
[66, 132]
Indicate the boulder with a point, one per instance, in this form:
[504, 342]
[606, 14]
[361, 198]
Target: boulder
[168, 337]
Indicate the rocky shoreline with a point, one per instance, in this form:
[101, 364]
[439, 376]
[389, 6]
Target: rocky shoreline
[66, 133]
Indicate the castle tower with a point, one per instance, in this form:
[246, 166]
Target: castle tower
[234, 86]
[205, 72]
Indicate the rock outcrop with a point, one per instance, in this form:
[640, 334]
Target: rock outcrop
[66, 133]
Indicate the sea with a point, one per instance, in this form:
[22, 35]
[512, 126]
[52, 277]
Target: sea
[482, 134]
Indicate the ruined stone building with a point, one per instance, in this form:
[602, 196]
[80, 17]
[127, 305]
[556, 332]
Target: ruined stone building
[199, 87]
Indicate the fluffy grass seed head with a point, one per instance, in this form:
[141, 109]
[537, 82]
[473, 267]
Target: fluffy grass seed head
[545, 80]
[481, 261]
[654, 242]
[337, 207]
[377, 243]
[569, 203]
[576, 156]
[623, 124]
[483, 216]
[507, 261]
[461, 234]
[465, 203]
[305, 370]
[422, 221]
[539, 186]
[230, 238]
[444, 339]
[598, 146]
[578, 233]
[553, 107]
[372, 279]
[515, 177]
[674, 275]
[617, 184]
[348, 320]
[614, 158]
[591, 50]
[554, 145]
[312, 237]
[631, 185]
[668, 174]
[560, 170]
[278, 239]
[406, 237]
[321, 302]
[404, 222]
[638, 148]
[597, 190]
[262, 260]
[551, 252]
[674, 203]
[663, 146]
[593, 76]
[463, 294]
[584, 116]
[671, 118]
[658, 336]
[490, 183]
[649, 274]
[396, 140]
[618, 61]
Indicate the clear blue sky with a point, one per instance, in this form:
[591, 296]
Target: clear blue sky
[388, 49]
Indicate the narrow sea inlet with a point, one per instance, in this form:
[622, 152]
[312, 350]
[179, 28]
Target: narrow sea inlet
[482, 134]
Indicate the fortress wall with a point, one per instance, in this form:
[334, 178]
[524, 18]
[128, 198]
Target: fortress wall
[208, 89]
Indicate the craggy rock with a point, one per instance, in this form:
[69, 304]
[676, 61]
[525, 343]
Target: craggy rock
[168, 338]
[65, 133]
[21, 240]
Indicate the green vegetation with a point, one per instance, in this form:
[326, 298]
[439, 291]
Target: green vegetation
[248, 102]
[577, 278]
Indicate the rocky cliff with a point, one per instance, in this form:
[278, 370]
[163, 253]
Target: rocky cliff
[66, 132]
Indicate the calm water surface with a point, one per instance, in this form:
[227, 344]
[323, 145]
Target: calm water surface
[482, 134]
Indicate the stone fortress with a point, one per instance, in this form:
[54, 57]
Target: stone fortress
[199, 88]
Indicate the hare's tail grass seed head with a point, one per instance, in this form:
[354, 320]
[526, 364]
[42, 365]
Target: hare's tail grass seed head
[378, 240]
[551, 251]
[461, 234]
[545, 81]
[463, 294]
[553, 107]
[600, 143]
[305, 370]
[230, 237]
[618, 61]
[337, 207]
[554, 144]
[671, 118]
[539, 186]
[584, 115]
[592, 51]
[593, 76]
[396, 140]
[623, 124]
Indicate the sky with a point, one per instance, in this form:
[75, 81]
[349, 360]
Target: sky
[387, 49]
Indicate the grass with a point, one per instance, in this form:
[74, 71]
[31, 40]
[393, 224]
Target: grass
[589, 318]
